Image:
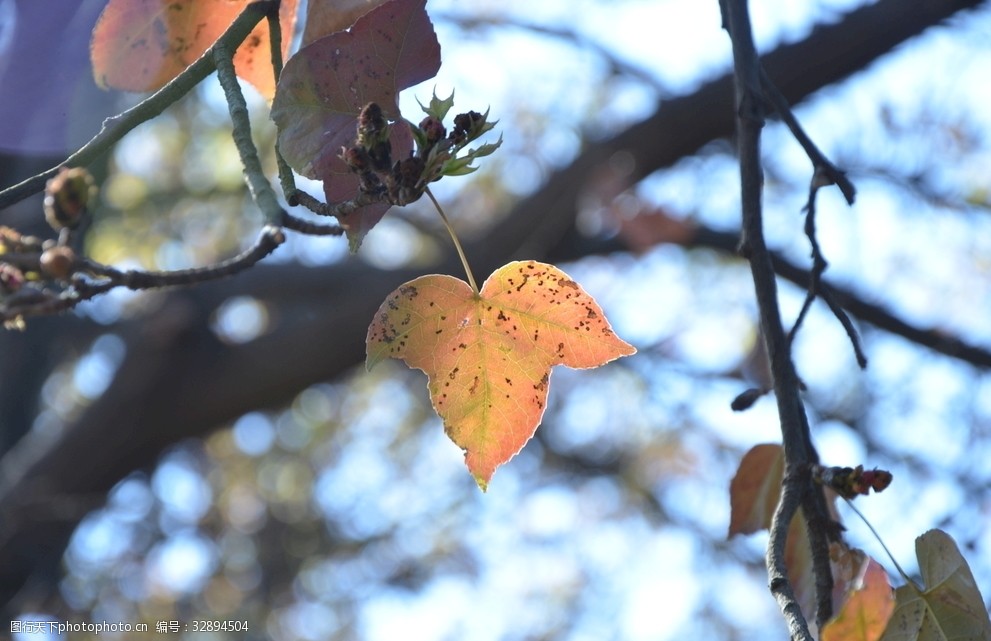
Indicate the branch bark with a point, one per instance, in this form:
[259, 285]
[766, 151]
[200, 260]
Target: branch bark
[795, 434]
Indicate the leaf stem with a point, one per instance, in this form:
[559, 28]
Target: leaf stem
[457, 243]
[879, 540]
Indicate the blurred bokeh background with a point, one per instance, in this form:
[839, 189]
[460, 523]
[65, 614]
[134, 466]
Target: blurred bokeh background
[337, 509]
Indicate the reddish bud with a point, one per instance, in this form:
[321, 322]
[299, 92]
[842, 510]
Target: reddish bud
[848, 482]
[356, 158]
[372, 126]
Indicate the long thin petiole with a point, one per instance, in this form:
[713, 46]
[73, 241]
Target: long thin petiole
[457, 243]
[879, 540]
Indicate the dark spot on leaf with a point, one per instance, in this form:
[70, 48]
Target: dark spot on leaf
[453, 372]
[564, 282]
[542, 384]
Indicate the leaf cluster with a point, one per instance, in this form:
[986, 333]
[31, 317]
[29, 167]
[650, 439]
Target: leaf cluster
[442, 153]
[436, 154]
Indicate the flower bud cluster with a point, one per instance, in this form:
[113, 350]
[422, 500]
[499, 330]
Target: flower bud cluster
[437, 152]
[33, 271]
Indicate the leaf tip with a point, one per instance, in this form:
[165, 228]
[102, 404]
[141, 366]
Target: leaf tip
[483, 484]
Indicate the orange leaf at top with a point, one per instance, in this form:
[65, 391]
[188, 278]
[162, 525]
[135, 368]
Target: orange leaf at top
[140, 45]
[488, 357]
[755, 489]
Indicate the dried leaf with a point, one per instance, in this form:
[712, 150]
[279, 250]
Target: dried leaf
[488, 357]
[755, 489]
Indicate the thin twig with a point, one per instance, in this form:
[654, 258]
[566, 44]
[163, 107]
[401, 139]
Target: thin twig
[819, 160]
[275, 43]
[819, 263]
[310, 228]
[116, 127]
[270, 238]
[815, 287]
[824, 173]
[39, 302]
[261, 191]
[293, 195]
[826, 295]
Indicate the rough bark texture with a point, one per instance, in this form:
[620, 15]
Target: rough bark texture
[177, 380]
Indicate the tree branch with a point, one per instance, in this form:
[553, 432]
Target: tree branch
[796, 437]
[777, 571]
[258, 185]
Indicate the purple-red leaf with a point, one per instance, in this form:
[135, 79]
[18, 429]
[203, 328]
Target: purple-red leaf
[324, 86]
[327, 17]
